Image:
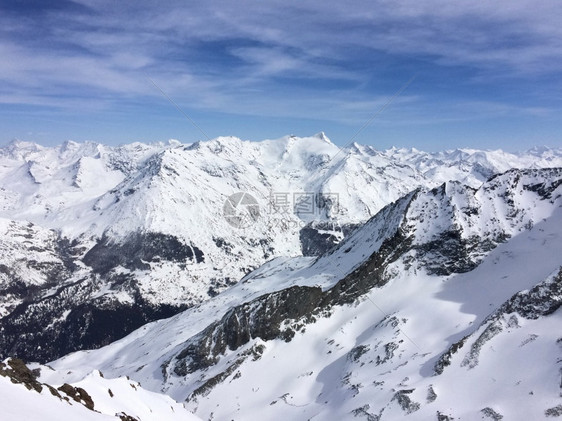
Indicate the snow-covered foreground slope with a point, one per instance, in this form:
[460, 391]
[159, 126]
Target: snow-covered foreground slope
[24, 397]
[95, 241]
[445, 304]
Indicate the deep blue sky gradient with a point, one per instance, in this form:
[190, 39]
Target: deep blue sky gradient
[488, 73]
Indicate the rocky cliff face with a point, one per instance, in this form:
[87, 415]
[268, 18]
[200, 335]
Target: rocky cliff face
[431, 299]
[97, 241]
[542, 300]
[444, 231]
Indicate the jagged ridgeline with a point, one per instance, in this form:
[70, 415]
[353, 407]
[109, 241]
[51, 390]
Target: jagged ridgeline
[423, 310]
[97, 240]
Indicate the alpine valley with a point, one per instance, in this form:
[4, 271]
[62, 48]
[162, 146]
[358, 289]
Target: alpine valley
[357, 283]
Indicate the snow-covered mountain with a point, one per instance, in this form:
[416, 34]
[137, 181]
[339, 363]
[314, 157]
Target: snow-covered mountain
[24, 397]
[98, 240]
[444, 305]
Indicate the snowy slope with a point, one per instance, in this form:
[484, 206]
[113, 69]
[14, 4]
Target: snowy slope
[444, 304]
[98, 240]
[24, 397]
[87, 189]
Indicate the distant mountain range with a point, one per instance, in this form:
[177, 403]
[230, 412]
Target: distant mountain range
[360, 283]
[99, 240]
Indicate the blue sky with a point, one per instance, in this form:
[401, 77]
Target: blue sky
[488, 74]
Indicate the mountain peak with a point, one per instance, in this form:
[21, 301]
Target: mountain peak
[18, 149]
[322, 136]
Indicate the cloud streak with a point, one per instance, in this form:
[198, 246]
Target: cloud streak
[276, 58]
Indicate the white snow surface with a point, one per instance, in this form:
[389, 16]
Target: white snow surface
[110, 396]
[376, 357]
[170, 187]
[87, 190]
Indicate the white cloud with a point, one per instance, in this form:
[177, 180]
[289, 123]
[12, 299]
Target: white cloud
[226, 55]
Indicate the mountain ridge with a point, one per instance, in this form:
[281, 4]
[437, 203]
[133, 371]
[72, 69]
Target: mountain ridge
[370, 328]
[139, 229]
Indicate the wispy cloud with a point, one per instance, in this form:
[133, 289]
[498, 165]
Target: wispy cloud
[275, 58]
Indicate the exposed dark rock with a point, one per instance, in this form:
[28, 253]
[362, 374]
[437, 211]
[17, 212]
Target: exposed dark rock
[40, 329]
[389, 349]
[16, 370]
[449, 253]
[271, 316]
[204, 389]
[541, 300]
[78, 394]
[471, 359]
[405, 402]
[223, 244]
[431, 395]
[314, 242]
[255, 352]
[529, 339]
[371, 273]
[260, 318]
[443, 417]
[364, 413]
[445, 359]
[357, 352]
[60, 315]
[54, 272]
[545, 189]
[90, 324]
[138, 249]
[125, 417]
[217, 285]
[282, 313]
[555, 411]
[490, 413]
